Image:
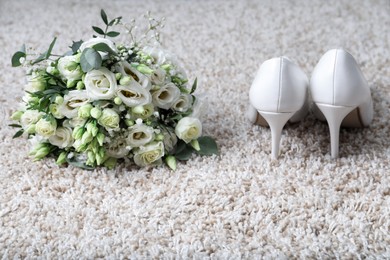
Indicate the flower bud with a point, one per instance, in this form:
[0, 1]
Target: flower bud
[138, 110]
[77, 132]
[80, 85]
[77, 57]
[71, 66]
[124, 81]
[30, 129]
[159, 137]
[91, 157]
[62, 158]
[85, 111]
[118, 101]
[118, 76]
[100, 138]
[17, 115]
[195, 145]
[71, 83]
[129, 122]
[144, 69]
[40, 151]
[96, 112]
[171, 162]
[59, 100]
[86, 138]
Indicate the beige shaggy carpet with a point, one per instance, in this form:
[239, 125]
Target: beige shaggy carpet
[240, 204]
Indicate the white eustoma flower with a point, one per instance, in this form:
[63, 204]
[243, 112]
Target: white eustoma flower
[183, 103]
[90, 43]
[72, 101]
[150, 154]
[158, 76]
[117, 147]
[109, 118]
[30, 117]
[62, 137]
[100, 84]
[69, 68]
[134, 94]
[166, 96]
[126, 69]
[36, 83]
[46, 127]
[139, 135]
[188, 129]
[159, 55]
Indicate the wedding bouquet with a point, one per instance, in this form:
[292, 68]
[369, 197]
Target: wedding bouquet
[102, 102]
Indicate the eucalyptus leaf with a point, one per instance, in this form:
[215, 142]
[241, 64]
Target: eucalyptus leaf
[76, 46]
[185, 154]
[90, 59]
[16, 58]
[98, 30]
[103, 47]
[104, 16]
[208, 146]
[113, 34]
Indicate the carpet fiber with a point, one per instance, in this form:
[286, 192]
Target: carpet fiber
[240, 204]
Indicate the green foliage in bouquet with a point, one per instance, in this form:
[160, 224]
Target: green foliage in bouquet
[102, 102]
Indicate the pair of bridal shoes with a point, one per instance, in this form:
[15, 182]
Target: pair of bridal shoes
[340, 95]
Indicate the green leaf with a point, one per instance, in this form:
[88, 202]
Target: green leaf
[103, 47]
[113, 20]
[46, 54]
[185, 154]
[104, 16]
[98, 30]
[208, 146]
[183, 151]
[18, 133]
[15, 125]
[76, 46]
[193, 88]
[90, 59]
[16, 58]
[113, 34]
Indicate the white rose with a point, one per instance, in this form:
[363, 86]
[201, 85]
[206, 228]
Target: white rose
[139, 135]
[92, 42]
[166, 96]
[100, 84]
[109, 118]
[134, 95]
[188, 129]
[30, 117]
[127, 70]
[150, 154]
[62, 137]
[117, 147]
[72, 101]
[183, 103]
[69, 68]
[46, 127]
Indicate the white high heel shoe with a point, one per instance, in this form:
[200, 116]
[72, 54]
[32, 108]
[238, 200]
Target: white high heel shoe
[340, 94]
[278, 94]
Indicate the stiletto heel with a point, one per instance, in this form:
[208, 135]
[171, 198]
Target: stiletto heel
[278, 94]
[276, 122]
[334, 116]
